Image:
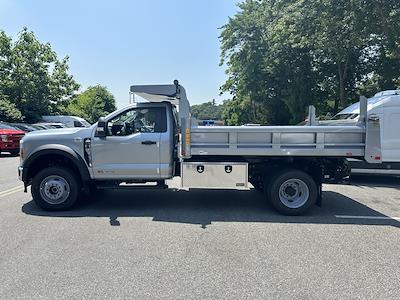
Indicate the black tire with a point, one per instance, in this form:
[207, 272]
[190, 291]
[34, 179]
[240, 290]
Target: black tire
[64, 174]
[289, 178]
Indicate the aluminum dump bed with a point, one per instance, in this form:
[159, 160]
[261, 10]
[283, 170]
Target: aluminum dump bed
[361, 140]
[341, 141]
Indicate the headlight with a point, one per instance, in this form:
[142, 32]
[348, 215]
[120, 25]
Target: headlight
[4, 137]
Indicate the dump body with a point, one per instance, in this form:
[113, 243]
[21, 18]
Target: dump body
[337, 141]
[359, 140]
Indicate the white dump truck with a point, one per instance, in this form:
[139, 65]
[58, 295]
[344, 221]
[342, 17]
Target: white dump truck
[151, 142]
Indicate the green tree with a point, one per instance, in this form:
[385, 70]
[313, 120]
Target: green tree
[283, 55]
[207, 111]
[8, 111]
[237, 112]
[94, 102]
[385, 21]
[252, 65]
[34, 80]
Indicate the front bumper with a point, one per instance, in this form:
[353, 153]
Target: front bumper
[9, 145]
[22, 176]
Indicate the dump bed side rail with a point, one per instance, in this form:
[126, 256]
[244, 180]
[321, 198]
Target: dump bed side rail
[361, 140]
[343, 141]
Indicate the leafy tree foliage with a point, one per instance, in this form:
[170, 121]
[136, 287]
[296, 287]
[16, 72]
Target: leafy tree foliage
[237, 112]
[93, 103]
[283, 55]
[207, 111]
[8, 110]
[32, 78]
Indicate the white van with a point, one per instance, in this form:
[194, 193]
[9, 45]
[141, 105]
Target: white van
[385, 105]
[69, 121]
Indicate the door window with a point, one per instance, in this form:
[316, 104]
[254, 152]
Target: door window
[78, 124]
[138, 120]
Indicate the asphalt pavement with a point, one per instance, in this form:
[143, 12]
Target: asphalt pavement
[179, 244]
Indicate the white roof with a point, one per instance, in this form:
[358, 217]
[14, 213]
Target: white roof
[385, 98]
[388, 93]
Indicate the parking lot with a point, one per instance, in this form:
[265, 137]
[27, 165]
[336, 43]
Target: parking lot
[201, 244]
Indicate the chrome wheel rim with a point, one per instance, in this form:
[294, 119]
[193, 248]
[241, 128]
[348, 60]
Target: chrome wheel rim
[54, 189]
[294, 193]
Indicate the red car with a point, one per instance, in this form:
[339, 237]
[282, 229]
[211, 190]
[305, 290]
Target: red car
[9, 139]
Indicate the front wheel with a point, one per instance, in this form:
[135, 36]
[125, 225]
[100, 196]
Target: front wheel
[292, 192]
[55, 188]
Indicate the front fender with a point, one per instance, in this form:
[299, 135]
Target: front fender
[60, 150]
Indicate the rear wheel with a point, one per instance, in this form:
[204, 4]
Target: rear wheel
[55, 188]
[292, 192]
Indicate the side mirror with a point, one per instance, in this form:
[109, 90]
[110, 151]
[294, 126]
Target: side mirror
[101, 128]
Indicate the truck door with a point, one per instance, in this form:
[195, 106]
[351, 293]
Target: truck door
[131, 149]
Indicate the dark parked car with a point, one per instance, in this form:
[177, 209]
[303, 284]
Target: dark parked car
[23, 126]
[49, 125]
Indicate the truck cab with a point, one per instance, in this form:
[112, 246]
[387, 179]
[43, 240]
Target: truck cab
[136, 143]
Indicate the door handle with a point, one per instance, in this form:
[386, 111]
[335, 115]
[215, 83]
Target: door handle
[149, 142]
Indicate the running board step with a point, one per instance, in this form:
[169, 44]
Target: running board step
[158, 186]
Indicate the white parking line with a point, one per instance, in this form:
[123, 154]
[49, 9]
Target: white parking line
[11, 191]
[367, 217]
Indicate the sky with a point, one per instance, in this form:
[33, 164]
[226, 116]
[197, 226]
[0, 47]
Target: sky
[120, 43]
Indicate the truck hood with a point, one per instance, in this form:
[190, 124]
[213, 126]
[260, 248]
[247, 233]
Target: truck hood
[72, 138]
[58, 135]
